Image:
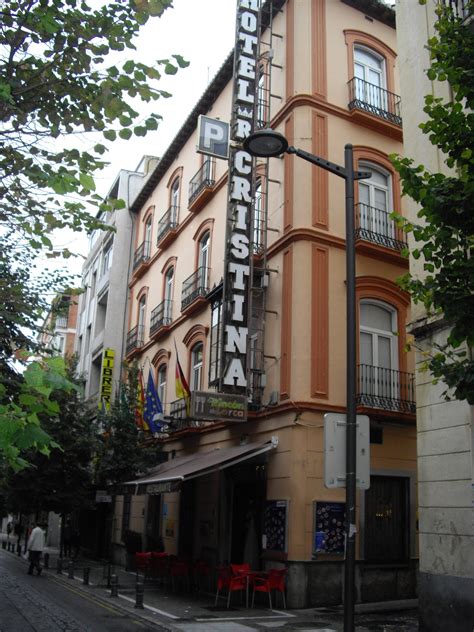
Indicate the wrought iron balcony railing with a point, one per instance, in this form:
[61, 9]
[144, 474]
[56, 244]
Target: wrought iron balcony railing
[375, 225]
[161, 316]
[168, 222]
[135, 339]
[385, 388]
[195, 286]
[371, 98]
[61, 322]
[461, 8]
[142, 254]
[203, 179]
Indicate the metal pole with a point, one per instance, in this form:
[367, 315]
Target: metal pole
[351, 436]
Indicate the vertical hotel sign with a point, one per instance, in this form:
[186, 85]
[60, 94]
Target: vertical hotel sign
[237, 260]
[106, 377]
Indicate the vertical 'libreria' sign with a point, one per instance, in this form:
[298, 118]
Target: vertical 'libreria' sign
[237, 263]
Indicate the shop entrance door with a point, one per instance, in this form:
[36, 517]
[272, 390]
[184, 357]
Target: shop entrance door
[248, 500]
[387, 519]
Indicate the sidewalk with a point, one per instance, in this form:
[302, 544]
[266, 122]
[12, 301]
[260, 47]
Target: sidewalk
[195, 612]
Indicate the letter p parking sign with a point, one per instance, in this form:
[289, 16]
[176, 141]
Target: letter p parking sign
[213, 137]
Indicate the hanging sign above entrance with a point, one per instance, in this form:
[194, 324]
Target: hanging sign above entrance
[218, 406]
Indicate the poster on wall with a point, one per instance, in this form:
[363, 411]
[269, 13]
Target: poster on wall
[329, 534]
[275, 525]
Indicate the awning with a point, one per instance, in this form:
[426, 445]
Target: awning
[168, 476]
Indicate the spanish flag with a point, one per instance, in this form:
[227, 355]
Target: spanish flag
[140, 403]
[182, 388]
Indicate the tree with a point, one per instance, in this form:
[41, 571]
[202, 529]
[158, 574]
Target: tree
[59, 479]
[58, 79]
[445, 235]
[33, 404]
[125, 451]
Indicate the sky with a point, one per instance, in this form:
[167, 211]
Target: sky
[203, 33]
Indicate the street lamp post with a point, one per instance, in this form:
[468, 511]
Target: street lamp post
[267, 143]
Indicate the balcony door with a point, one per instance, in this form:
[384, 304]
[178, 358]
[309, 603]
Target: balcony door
[203, 261]
[369, 72]
[378, 350]
[375, 202]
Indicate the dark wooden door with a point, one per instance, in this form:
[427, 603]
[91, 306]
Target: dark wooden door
[387, 519]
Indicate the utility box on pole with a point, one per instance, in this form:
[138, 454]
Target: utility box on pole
[335, 450]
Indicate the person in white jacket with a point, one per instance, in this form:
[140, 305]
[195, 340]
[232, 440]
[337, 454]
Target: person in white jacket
[35, 548]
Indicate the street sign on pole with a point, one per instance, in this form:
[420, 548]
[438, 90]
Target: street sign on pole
[335, 426]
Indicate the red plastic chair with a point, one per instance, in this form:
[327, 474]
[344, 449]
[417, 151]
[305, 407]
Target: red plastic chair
[142, 563]
[223, 580]
[160, 566]
[274, 580]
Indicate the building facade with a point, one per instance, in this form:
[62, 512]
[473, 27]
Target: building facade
[444, 428]
[103, 302]
[59, 329]
[253, 489]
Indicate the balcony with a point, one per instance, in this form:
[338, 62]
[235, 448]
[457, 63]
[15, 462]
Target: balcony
[195, 288]
[460, 8]
[141, 256]
[167, 227]
[201, 185]
[135, 339]
[385, 389]
[375, 225]
[374, 100]
[161, 317]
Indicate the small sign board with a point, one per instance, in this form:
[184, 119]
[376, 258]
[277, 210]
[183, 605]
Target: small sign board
[101, 496]
[335, 451]
[213, 137]
[218, 406]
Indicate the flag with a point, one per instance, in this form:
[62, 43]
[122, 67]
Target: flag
[140, 403]
[153, 407]
[182, 388]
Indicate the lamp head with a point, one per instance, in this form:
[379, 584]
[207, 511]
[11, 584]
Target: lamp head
[265, 143]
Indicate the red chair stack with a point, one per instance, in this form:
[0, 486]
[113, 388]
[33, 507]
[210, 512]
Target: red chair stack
[274, 580]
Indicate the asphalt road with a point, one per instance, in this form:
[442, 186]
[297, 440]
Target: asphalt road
[29, 603]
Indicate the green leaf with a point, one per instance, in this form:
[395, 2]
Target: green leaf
[125, 133]
[87, 181]
[110, 134]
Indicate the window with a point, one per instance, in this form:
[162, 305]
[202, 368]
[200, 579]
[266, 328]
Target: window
[375, 202]
[378, 349]
[262, 98]
[107, 258]
[174, 196]
[203, 258]
[168, 295]
[147, 239]
[216, 339]
[141, 315]
[196, 367]
[369, 74]
[58, 344]
[161, 384]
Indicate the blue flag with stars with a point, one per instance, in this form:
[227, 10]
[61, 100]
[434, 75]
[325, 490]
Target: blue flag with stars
[153, 406]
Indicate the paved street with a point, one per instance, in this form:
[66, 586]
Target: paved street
[52, 603]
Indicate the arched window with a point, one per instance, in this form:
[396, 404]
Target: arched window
[370, 78]
[168, 295]
[161, 384]
[141, 320]
[376, 201]
[203, 258]
[174, 195]
[378, 348]
[147, 237]
[196, 367]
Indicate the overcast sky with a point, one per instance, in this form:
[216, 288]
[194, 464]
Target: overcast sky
[203, 33]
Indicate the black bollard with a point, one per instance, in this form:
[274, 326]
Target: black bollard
[85, 575]
[139, 593]
[59, 568]
[46, 560]
[114, 586]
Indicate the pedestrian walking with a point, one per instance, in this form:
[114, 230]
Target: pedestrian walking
[35, 548]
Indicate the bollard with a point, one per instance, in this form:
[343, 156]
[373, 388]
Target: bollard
[139, 593]
[46, 560]
[85, 575]
[114, 586]
[70, 569]
[59, 568]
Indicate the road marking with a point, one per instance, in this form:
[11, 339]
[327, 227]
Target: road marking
[155, 610]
